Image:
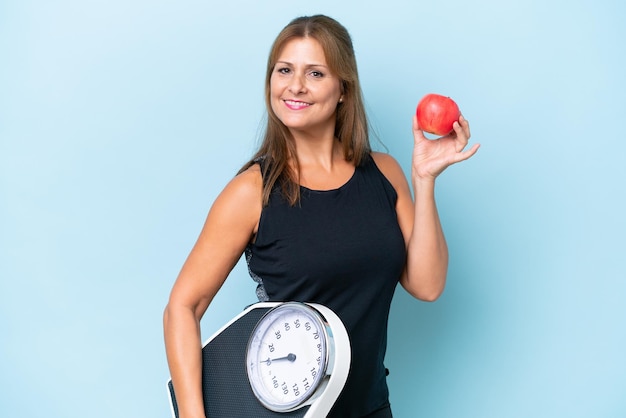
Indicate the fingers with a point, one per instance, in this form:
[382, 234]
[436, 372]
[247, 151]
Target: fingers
[465, 125]
[417, 132]
[462, 130]
[462, 156]
[462, 133]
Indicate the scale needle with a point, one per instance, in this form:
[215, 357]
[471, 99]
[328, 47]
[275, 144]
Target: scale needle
[291, 357]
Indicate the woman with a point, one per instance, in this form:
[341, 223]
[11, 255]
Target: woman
[320, 217]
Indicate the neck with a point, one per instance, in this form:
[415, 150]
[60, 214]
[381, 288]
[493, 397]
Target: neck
[320, 153]
[320, 148]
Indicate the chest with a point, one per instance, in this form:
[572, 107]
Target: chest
[335, 239]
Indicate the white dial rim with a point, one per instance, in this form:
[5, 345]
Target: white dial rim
[253, 349]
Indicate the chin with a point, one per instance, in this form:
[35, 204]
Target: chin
[294, 124]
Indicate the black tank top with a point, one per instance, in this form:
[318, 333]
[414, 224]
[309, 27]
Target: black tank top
[342, 248]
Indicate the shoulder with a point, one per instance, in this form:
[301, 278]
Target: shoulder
[384, 160]
[249, 178]
[390, 169]
[241, 198]
[245, 188]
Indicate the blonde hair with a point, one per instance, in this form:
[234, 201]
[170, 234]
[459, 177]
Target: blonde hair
[351, 127]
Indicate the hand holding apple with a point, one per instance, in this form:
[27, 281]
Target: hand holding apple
[436, 114]
[432, 156]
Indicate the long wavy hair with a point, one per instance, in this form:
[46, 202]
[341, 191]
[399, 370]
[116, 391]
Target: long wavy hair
[277, 149]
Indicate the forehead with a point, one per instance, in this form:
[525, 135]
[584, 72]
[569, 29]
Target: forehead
[302, 50]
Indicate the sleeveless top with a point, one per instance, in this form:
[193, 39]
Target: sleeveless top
[341, 248]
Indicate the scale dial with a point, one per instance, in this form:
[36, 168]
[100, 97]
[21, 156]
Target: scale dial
[288, 355]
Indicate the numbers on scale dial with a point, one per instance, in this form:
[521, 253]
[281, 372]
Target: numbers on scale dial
[298, 378]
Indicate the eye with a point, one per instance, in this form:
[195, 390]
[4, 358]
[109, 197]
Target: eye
[283, 70]
[317, 74]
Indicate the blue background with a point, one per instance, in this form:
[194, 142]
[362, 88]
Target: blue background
[120, 122]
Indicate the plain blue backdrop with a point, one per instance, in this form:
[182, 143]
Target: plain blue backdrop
[120, 122]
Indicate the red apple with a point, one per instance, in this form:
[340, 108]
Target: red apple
[436, 114]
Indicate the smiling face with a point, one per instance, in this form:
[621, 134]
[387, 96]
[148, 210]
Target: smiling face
[304, 93]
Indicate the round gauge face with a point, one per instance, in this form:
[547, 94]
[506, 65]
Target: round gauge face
[287, 356]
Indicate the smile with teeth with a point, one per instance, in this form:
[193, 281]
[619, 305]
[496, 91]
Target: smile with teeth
[295, 105]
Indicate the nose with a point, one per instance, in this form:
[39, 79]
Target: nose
[297, 84]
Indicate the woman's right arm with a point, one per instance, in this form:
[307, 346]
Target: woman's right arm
[229, 227]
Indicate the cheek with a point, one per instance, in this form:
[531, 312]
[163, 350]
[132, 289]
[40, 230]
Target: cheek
[274, 95]
[275, 108]
[334, 93]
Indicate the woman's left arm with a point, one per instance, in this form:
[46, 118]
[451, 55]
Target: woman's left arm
[427, 252]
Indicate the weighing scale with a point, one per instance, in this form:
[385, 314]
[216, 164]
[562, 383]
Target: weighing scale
[274, 359]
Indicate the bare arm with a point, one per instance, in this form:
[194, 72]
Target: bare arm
[230, 225]
[427, 252]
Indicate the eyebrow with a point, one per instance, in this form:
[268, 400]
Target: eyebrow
[308, 65]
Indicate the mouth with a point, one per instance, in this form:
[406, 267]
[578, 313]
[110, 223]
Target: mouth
[296, 104]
